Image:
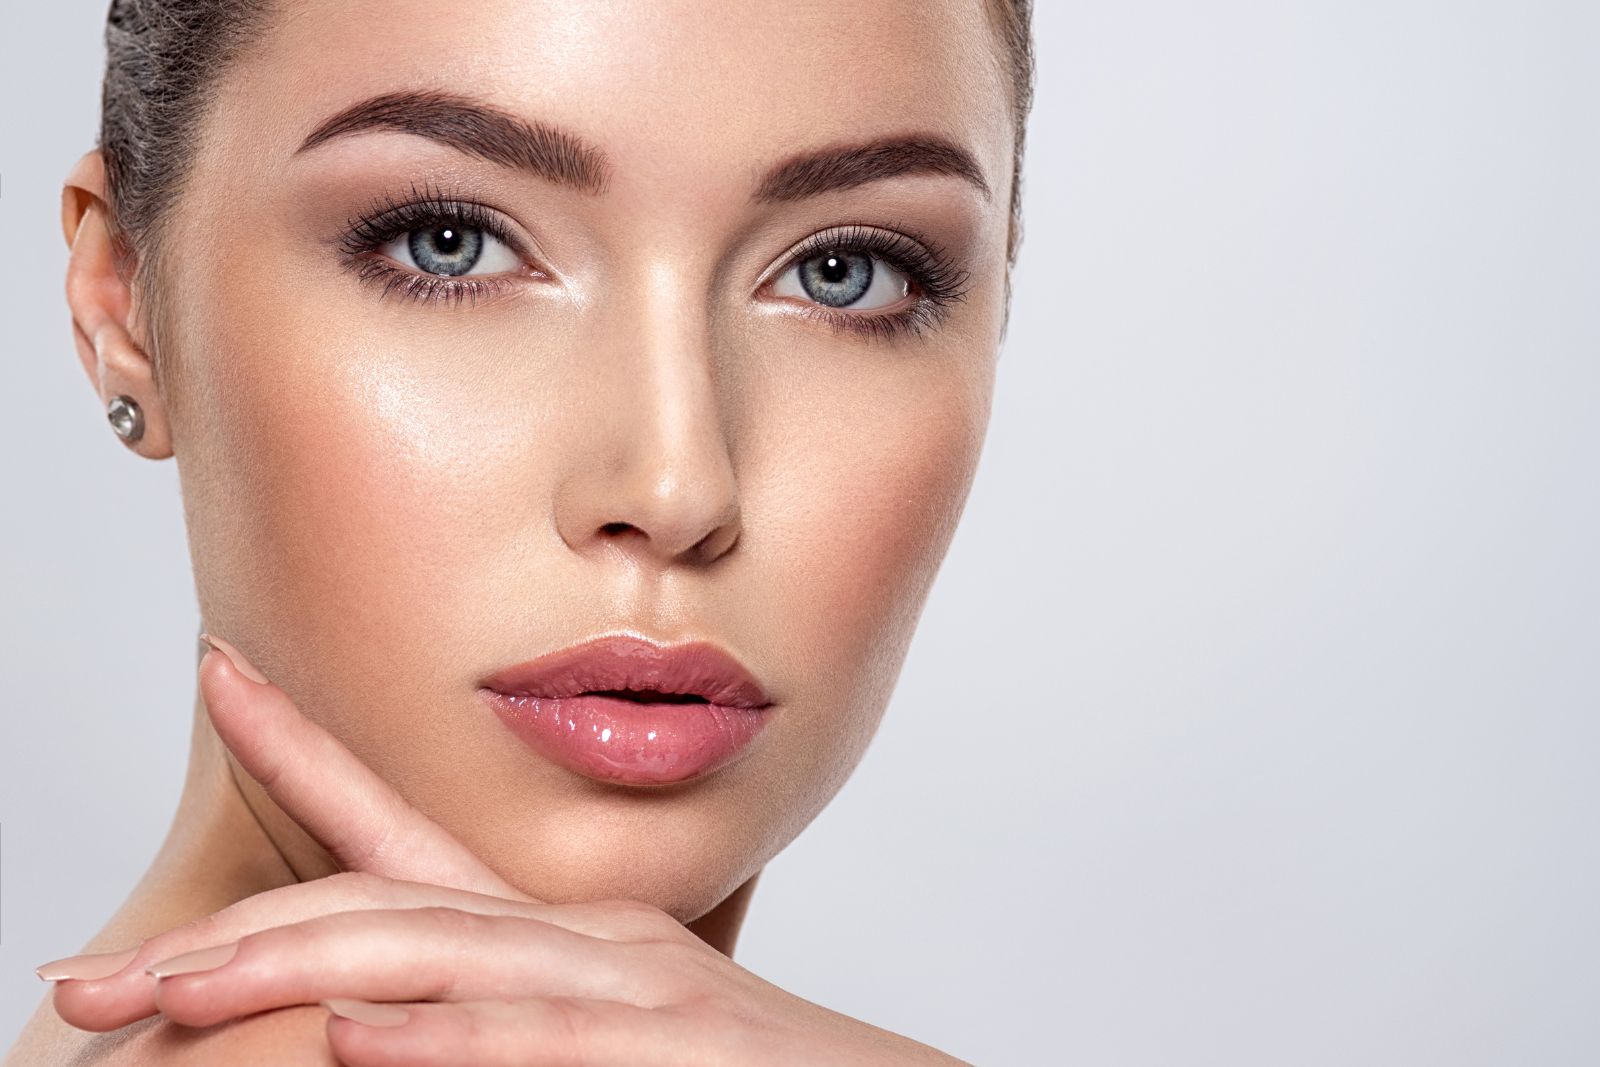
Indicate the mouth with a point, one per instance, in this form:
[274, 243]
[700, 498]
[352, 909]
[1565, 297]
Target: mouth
[625, 710]
[650, 696]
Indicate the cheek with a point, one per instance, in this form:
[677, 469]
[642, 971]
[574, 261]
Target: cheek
[363, 492]
[873, 499]
[374, 495]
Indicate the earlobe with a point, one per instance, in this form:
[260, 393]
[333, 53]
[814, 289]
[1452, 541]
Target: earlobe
[132, 405]
[101, 304]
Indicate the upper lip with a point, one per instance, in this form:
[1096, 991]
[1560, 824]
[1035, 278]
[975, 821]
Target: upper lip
[625, 662]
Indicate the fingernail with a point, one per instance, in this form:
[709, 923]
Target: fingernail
[90, 967]
[366, 1012]
[201, 959]
[243, 665]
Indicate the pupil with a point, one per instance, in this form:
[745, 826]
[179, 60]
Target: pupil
[447, 241]
[835, 269]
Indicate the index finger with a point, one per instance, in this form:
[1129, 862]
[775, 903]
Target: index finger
[341, 802]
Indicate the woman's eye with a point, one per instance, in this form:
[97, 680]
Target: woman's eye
[844, 279]
[452, 250]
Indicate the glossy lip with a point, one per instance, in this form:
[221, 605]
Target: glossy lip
[700, 709]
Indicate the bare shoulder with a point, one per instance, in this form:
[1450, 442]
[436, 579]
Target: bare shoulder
[286, 1037]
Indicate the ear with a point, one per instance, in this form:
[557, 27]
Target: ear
[101, 304]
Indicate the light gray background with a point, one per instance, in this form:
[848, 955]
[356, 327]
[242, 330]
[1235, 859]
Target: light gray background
[1277, 578]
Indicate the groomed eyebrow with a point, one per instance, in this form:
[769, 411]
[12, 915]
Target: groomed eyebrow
[843, 166]
[478, 129]
[559, 156]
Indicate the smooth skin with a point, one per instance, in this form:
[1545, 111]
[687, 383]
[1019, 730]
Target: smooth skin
[388, 499]
[471, 970]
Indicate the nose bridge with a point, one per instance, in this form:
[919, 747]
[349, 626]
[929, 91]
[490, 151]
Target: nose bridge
[652, 472]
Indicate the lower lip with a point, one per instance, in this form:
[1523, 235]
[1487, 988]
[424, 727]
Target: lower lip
[626, 741]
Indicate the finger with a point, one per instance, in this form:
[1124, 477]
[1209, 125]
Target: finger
[430, 953]
[416, 954]
[129, 994]
[341, 802]
[543, 1032]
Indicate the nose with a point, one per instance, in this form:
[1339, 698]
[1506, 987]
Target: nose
[649, 467]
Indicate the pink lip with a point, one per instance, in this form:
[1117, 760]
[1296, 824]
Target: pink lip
[561, 706]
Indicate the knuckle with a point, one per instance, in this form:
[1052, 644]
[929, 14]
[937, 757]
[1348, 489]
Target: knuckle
[578, 1026]
[369, 849]
[475, 1033]
[452, 923]
[458, 933]
[268, 772]
[679, 955]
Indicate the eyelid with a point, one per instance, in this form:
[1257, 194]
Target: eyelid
[387, 218]
[793, 253]
[939, 279]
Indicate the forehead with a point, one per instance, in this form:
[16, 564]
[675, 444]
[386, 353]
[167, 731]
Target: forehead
[686, 90]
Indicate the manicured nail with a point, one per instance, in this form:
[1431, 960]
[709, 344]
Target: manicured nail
[90, 967]
[366, 1012]
[201, 959]
[243, 665]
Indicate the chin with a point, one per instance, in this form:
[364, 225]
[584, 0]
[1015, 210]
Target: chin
[684, 857]
[684, 884]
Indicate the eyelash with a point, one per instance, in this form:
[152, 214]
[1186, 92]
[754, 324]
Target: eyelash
[388, 218]
[941, 283]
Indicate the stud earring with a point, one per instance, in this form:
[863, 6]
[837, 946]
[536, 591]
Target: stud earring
[125, 417]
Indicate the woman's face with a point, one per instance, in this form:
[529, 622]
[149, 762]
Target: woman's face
[618, 403]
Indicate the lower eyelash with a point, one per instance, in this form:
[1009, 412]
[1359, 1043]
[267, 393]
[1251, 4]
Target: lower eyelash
[414, 286]
[914, 321]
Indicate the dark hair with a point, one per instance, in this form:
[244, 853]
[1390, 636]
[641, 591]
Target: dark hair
[162, 59]
[1013, 24]
[164, 56]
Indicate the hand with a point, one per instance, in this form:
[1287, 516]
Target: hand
[483, 973]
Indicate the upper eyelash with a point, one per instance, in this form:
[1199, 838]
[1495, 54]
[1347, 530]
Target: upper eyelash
[940, 280]
[388, 218]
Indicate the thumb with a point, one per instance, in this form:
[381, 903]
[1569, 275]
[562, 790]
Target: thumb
[341, 802]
